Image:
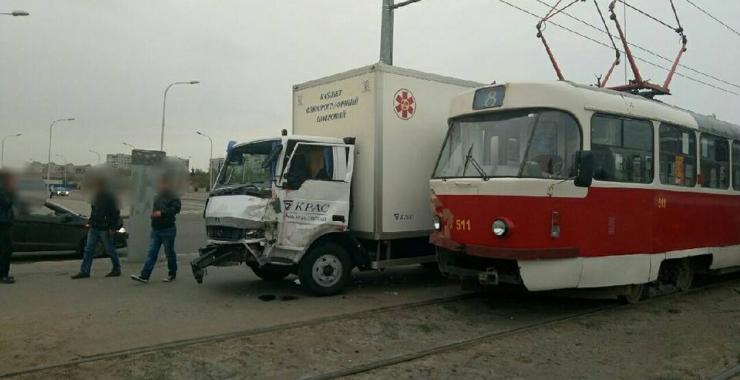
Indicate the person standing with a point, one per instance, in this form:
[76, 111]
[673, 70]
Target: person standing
[7, 198]
[166, 206]
[105, 218]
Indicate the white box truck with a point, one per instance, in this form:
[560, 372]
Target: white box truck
[349, 188]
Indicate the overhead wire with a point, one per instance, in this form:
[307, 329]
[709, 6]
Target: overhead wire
[731, 29]
[688, 77]
[646, 50]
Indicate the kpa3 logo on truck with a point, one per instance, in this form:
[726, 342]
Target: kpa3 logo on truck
[307, 211]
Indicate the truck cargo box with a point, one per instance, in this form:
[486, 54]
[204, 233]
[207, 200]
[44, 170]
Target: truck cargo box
[399, 118]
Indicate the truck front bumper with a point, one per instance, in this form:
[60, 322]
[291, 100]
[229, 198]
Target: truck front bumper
[219, 255]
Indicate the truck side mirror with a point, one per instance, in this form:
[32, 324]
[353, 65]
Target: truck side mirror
[584, 168]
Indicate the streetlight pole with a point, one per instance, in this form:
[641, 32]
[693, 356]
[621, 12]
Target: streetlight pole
[129, 145]
[15, 13]
[97, 154]
[386, 29]
[164, 109]
[2, 148]
[48, 161]
[210, 159]
[64, 162]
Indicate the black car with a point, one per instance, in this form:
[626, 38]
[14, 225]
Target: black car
[54, 228]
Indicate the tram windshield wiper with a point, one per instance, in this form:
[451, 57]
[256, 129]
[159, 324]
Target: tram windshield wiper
[469, 159]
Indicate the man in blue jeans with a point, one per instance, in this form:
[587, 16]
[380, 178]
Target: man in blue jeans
[166, 207]
[105, 219]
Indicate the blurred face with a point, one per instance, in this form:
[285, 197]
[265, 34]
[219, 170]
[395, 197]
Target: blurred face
[99, 186]
[10, 182]
[163, 185]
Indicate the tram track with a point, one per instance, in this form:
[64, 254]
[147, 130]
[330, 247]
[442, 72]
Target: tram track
[366, 366]
[462, 344]
[238, 334]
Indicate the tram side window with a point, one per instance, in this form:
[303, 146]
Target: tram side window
[736, 165]
[715, 162]
[677, 156]
[622, 148]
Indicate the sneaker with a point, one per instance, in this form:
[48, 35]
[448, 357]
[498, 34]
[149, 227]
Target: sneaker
[80, 275]
[137, 277]
[7, 280]
[169, 279]
[114, 274]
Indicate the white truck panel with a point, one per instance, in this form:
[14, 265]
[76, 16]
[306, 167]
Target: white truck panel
[411, 144]
[395, 152]
[353, 118]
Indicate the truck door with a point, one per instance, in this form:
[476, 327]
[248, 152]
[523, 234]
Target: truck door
[315, 193]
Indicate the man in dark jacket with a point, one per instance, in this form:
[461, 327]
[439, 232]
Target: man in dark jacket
[166, 206]
[7, 197]
[105, 218]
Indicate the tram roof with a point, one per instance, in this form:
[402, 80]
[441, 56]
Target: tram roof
[650, 108]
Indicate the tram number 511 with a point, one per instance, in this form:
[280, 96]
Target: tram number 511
[662, 202]
[463, 225]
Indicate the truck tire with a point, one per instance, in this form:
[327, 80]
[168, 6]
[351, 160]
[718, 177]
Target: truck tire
[325, 269]
[269, 272]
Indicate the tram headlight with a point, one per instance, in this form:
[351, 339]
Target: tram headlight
[499, 227]
[436, 223]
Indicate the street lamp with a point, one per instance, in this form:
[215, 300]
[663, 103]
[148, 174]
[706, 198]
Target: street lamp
[15, 13]
[210, 159]
[48, 165]
[97, 154]
[64, 163]
[2, 148]
[164, 108]
[129, 145]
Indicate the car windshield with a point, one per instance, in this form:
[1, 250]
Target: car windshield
[523, 143]
[246, 165]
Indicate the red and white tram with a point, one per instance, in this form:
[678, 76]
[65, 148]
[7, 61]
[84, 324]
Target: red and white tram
[558, 185]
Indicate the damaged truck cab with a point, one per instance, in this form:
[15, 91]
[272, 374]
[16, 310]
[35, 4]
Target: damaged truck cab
[318, 203]
[279, 205]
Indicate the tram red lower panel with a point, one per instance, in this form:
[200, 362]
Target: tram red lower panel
[609, 221]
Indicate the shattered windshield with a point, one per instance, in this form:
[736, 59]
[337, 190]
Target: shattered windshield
[522, 143]
[251, 164]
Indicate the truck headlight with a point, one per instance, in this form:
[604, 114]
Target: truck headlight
[436, 223]
[499, 227]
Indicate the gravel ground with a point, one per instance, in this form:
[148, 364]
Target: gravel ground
[686, 336]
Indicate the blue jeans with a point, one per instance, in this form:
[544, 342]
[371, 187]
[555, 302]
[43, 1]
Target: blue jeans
[93, 237]
[158, 238]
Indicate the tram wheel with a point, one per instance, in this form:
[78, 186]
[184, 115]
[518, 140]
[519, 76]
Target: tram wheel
[679, 273]
[633, 294]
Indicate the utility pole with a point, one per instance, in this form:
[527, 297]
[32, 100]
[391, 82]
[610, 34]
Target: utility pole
[48, 161]
[386, 29]
[386, 33]
[210, 160]
[164, 108]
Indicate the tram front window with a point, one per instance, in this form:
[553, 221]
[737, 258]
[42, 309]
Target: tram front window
[524, 143]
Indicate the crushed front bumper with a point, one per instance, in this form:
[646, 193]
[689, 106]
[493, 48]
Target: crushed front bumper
[218, 255]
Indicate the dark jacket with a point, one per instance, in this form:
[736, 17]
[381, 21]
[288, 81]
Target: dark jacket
[169, 205]
[6, 207]
[105, 214]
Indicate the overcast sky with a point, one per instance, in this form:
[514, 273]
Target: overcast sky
[107, 62]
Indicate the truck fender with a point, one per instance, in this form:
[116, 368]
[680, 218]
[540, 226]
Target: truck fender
[353, 247]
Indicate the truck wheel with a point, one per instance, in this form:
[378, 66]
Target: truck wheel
[325, 269]
[269, 272]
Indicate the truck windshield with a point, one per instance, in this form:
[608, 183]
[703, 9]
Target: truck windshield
[251, 164]
[537, 143]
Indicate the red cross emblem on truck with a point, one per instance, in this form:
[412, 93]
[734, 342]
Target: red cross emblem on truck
[404, 104]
